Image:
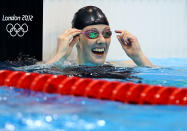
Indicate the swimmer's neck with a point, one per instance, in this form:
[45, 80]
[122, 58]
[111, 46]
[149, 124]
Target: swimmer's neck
[79, 62]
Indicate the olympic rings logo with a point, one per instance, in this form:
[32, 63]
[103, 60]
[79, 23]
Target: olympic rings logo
[17, 29]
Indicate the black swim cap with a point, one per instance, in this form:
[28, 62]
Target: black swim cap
[89, 15]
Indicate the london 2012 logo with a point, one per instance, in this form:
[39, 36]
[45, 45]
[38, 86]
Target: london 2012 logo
[17, 29]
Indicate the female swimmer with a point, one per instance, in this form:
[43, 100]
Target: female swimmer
[91, 34]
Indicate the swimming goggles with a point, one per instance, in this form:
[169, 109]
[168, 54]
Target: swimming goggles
[94, 33]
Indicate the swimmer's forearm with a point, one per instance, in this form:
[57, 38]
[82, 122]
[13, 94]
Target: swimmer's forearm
[57, 58]
[142, 60]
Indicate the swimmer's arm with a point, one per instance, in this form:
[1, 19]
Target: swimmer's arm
[141, 60]
[126, 63]
[130, 62]
[57, 59]
[132, 48]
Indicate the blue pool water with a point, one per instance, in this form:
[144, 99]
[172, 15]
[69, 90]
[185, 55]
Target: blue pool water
[23, 110]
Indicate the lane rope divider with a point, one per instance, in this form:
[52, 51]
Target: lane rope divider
[125, 92]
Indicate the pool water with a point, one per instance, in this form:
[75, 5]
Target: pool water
[28, 110]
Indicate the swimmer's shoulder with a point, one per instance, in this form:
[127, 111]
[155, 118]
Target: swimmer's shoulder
[127, 63]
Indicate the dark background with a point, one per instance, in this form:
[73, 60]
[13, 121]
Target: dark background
[30, 45]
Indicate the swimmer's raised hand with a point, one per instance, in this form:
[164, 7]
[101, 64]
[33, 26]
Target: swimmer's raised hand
[66, 41]
[132, 48]
[129, 43]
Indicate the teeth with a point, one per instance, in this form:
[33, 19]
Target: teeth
[98, 49]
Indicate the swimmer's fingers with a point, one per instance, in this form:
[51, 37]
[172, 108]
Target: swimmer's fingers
[64, 34]
[122, 37]
[74, 38]
[68, 34]
[74, 41]
[67, 38]
[125, 38]
[121, 40]
[118, 31]
[72, 31]
[69, 31]
[131, 38]
[128, 38]
[71, 36]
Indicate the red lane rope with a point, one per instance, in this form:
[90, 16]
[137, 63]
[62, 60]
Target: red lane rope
[100, 89]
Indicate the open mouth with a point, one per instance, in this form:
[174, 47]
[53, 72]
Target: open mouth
[98, 51]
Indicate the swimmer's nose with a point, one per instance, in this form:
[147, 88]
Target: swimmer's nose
[100, 39]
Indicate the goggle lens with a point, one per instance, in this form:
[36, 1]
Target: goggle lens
[93, 34]
[107, 33]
